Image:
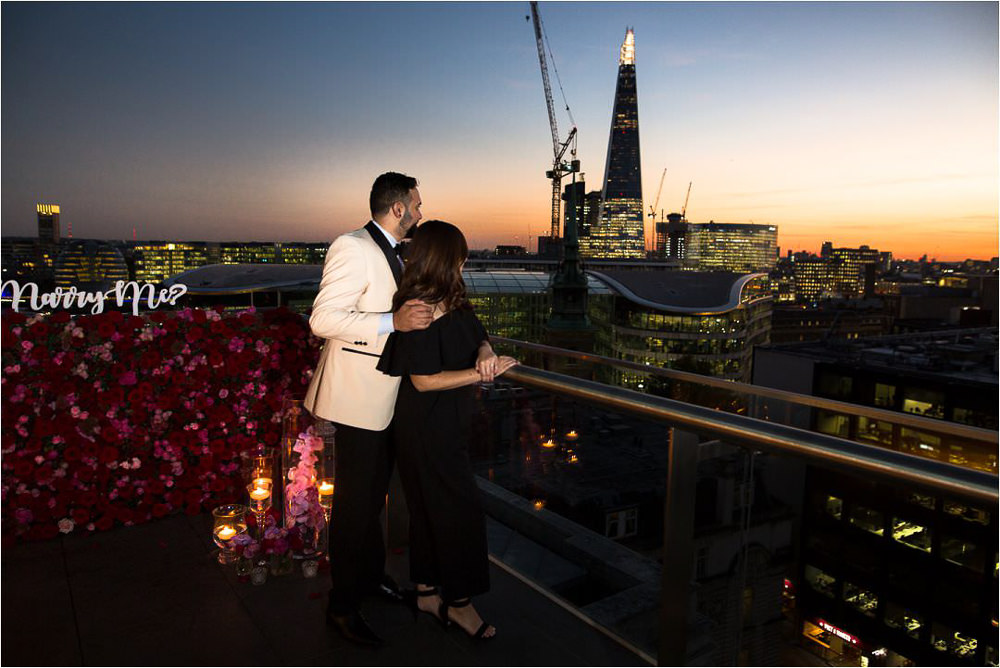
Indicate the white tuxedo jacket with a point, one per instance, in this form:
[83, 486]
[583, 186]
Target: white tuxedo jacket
[356, 289]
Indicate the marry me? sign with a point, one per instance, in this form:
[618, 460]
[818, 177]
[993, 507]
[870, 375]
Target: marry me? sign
[73, 298]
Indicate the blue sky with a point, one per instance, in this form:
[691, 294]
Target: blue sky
[864, 122]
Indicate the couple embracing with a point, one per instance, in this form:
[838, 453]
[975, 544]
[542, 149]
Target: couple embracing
[403, 351]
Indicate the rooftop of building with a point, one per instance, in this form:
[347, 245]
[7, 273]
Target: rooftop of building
[680, 291]
[675, 291]
[965, 354]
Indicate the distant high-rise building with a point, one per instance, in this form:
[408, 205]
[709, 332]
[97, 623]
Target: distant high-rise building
[90, 265]
[735, 247]
[620, 231]
[48, 223]
[676, 236]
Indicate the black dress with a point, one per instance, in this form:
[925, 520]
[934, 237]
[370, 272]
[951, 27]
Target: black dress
[431, 431]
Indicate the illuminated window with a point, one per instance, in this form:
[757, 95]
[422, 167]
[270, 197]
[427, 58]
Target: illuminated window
[820, 581]
[900, 618]
[911, 533]
[967, 513]
[860, 599]
[963, 552]
[834, 506]
[833, 424]
[867, 519]
[874, 431]
[920, 443]
[923, 402]
[957, 643]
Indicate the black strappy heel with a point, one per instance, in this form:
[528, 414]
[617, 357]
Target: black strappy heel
[442, 614]
[478, 635]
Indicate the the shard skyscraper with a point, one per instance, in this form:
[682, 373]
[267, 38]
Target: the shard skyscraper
[620, 232]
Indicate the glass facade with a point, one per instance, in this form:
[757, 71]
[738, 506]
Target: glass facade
[90, 265]
[621, 230]
[743, 248]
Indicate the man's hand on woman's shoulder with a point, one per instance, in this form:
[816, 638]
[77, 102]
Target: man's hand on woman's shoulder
[412, 315]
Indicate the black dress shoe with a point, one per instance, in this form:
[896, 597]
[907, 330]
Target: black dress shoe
[354, 627]
[390, 590]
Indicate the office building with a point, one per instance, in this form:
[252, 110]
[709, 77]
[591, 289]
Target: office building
[90, 265]
[891, 574]
[48, 223]
[732, 247]
[620, 229]
[157, 260]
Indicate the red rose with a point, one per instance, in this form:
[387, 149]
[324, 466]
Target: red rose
[109, 454]
[247, 319]
[126, 493]
[105, 329]
[155, 487]
[175, 498]
[217, 485]
[193, 509]
[122, 513]
[105, 523]
[87, 498]
[160, 510]
[81, 516]
[195, 334]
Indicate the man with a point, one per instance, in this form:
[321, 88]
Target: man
[352, 312]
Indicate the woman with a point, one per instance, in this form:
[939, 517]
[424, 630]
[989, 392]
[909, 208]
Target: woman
[434, 409]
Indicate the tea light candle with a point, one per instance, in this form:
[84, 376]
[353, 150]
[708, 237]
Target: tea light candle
[261, 482]
[325, 488]
[225, 532]
[260, 493]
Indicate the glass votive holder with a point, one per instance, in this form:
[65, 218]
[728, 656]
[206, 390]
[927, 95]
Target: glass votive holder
[258, 575]
[325, 489]
[228, 522]
[258, 466]
[260, 496]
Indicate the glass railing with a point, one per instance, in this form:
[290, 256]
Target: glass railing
[695, 533]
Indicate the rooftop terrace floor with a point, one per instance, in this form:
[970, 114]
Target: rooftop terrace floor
[155, 595]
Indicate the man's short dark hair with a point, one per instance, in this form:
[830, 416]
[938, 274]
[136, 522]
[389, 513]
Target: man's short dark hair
[388, 189]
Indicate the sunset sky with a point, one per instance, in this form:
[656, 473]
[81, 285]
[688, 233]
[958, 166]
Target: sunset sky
[858, 123]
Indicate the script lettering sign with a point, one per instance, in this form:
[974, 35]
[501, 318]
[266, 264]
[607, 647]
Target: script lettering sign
[70, 297]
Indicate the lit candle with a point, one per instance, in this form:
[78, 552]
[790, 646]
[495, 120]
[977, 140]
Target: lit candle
[326, 494]
[261, 482]
[260, 493]
[225, 532]
[571, 435]
[549, 444]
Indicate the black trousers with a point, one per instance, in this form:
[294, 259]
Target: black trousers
[363, 463]
[447, 524]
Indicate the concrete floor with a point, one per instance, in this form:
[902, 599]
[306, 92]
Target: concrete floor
[155, 595]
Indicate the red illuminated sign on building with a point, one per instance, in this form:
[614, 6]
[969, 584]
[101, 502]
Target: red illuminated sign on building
[843, 635]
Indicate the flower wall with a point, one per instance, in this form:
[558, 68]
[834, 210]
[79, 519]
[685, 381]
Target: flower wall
[115, 419]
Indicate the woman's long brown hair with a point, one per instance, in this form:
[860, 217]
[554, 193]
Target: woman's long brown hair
[434, 267]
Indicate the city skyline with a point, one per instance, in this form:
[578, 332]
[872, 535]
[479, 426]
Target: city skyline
[861, 124]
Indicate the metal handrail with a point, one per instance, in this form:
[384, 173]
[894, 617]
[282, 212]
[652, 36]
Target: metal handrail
[903, 419]
[756, 434]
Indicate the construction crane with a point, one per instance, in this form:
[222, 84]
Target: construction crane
[654, 207]
[559, 167]
[684, 210]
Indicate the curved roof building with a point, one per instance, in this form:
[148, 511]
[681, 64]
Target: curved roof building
[90, 265]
